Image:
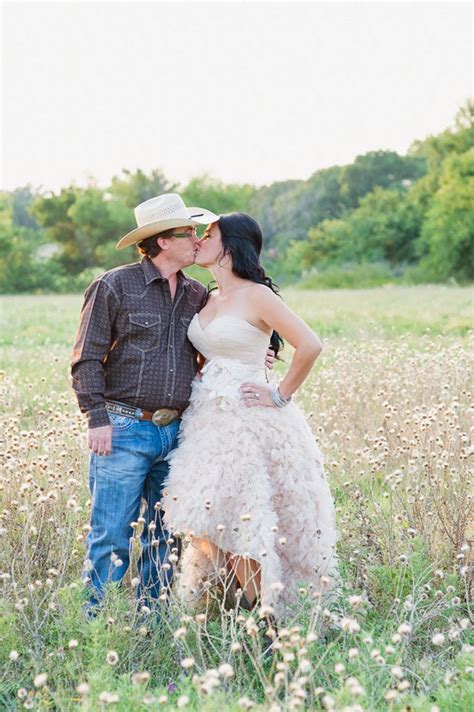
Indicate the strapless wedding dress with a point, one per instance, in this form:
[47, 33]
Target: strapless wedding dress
[249, 480]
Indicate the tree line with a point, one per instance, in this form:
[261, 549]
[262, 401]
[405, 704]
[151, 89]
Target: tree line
[385, 217]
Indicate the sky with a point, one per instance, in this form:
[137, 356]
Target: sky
[247, 92]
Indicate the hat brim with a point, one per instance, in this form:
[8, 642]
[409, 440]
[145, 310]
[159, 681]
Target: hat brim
[197, 216]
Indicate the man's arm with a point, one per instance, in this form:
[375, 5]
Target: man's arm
[91, 347]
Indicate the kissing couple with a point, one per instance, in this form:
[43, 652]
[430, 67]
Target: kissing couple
[189, 440]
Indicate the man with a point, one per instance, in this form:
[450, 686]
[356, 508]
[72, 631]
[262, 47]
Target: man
[132, 368]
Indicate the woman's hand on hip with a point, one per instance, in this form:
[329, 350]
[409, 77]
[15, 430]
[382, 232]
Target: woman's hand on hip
[257, 394]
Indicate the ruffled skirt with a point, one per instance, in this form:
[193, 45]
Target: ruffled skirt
[251, 482]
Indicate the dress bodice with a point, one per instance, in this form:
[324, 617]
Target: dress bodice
[229, 337]
[234, 350]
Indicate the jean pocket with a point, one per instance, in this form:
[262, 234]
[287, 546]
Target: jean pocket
[120, 422]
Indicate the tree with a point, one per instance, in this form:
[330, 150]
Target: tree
[206, 192]
[378, 168]
[447, 236]
[131, 189]
[83, 223]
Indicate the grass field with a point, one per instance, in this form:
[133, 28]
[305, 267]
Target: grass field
[390, 402]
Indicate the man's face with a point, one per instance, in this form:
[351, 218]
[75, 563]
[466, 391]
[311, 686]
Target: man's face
[183, 247]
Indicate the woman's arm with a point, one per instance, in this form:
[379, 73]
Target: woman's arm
[276, 315]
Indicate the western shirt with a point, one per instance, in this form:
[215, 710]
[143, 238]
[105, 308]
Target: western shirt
[131, 344]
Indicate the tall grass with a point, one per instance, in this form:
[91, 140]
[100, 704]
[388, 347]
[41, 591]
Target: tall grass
[390, 404]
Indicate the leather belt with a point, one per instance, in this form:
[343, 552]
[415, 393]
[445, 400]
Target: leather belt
[162, 416]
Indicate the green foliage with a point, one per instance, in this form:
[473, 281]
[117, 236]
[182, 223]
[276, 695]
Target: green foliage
[383, 227]
[208, 193]
[385, 169]
[130, 189]
[408, 214]
[447, 236]
[349, 275]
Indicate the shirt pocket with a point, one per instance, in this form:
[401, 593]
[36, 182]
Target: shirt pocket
[144, 330]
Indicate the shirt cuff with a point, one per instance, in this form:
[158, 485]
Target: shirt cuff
[97, 418]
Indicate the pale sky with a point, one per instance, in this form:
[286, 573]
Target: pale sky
[249, 92]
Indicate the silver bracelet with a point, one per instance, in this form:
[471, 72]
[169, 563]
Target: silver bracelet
[278, 399]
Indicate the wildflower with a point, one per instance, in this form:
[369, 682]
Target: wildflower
[112, 657]
[73, 644]
[187, 663]
[109, 698]
[135, 582]
[40, 680]
[339, 668]
[138, 678]
[149, 699]
[350, 625]
[397, 671]
[353, 652]
[83, 689]
[14, 655]
[403, 685]
[245, 703]
[277, 586]
[404, 629]
[226, 670]
[356, 601]
[22, 693]
[251, 626]
[180, 633]
[236, 647]
[162, 699]
[391, 695]
[182, 701]
[438, 639]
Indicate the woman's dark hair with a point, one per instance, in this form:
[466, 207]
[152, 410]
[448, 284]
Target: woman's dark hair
[242, 239]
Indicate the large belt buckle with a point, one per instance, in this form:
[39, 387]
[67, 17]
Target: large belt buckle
[164, 416]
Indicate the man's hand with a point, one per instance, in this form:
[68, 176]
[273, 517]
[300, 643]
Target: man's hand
[99, 440]
[270, 358]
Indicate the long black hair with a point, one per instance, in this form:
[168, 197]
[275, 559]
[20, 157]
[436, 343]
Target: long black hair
[242, 239]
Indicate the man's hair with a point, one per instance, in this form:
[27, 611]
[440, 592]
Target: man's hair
[150, 246]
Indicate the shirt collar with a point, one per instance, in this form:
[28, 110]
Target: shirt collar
[152, 272]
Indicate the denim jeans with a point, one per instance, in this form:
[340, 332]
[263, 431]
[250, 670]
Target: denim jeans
[135, 469]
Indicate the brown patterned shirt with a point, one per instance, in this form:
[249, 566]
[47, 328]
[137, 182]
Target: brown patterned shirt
[132, 345]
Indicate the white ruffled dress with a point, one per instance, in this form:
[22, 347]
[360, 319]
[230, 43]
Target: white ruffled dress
[249, 480]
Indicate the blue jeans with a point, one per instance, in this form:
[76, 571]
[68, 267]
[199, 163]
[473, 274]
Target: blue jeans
[135, 468]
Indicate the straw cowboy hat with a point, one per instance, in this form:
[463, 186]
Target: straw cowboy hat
[163, 213]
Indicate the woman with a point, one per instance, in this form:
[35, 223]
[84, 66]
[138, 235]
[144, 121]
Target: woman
[246, 484]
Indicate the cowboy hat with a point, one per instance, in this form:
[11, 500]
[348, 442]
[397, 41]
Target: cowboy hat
[163, 213]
